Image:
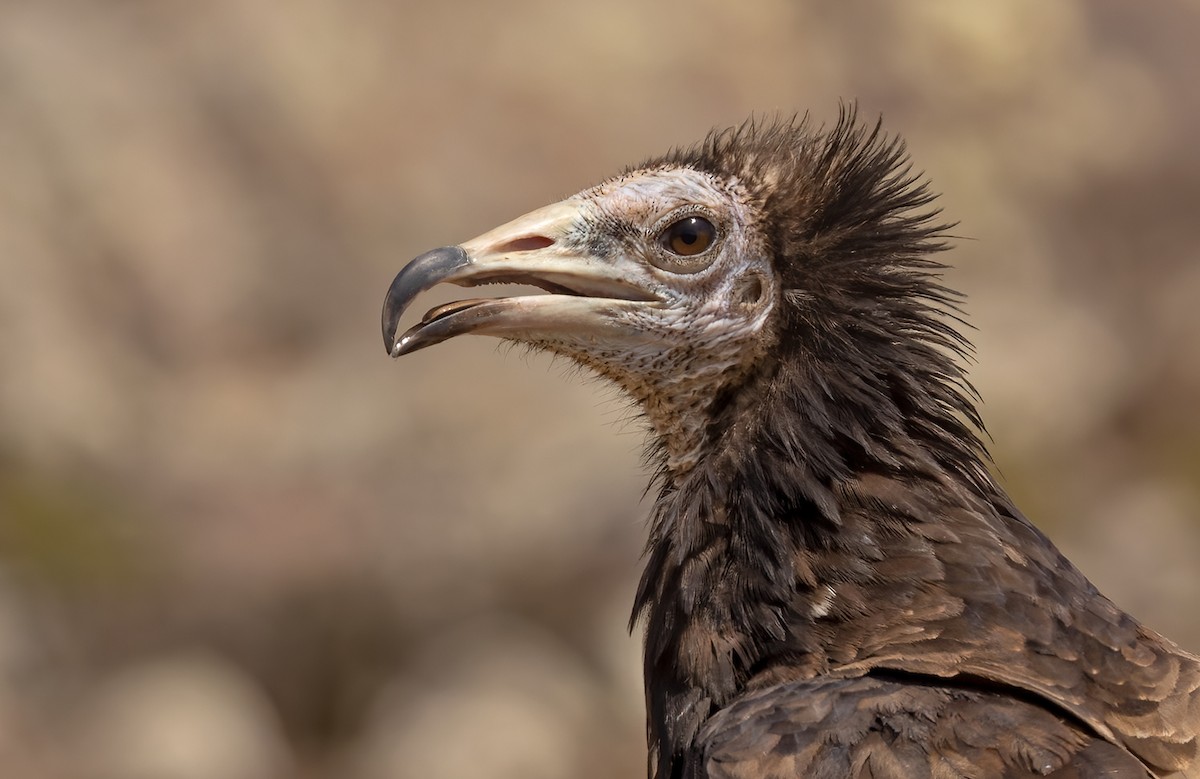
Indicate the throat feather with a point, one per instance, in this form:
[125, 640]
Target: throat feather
[775, 537]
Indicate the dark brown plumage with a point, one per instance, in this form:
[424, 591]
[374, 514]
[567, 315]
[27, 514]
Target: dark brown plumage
[835, 584]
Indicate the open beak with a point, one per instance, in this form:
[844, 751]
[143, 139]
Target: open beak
[588, 293]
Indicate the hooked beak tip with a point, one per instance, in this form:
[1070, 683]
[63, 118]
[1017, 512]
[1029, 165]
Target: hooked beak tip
[419, 275]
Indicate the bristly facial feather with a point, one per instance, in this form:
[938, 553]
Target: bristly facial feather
[863, 312]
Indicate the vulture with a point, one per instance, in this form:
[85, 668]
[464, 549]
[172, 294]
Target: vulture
[835, 583]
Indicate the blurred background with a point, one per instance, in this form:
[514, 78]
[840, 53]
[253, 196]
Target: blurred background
[238, 542]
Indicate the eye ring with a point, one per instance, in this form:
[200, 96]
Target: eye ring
[688, 237]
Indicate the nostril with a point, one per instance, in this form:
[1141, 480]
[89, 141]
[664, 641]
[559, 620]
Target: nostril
[528, 243]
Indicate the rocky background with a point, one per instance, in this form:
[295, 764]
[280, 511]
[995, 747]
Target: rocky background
[238, 542]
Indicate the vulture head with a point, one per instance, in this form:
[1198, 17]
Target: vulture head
[774, 262]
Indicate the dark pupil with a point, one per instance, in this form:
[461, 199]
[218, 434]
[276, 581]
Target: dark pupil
[690, 236]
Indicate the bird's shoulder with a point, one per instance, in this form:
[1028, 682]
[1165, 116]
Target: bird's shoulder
[884, 728]
[1006, 606]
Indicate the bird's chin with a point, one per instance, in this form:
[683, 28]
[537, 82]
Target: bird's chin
[441, 323]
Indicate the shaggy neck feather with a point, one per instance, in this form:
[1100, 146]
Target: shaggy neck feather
[749, 543]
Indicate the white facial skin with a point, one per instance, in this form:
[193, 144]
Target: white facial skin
[657, 283]
[710, 308]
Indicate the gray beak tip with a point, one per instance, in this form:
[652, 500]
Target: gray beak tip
[419, 275]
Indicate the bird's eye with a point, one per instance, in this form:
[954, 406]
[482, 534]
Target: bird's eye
[689, 236]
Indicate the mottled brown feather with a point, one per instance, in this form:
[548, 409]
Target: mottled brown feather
[884, 729]
[843, 523]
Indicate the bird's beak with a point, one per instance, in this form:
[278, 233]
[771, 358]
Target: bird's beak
[587, 292]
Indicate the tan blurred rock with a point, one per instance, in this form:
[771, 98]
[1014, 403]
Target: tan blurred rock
[181, 717]
[495, 699]
[1153, 525]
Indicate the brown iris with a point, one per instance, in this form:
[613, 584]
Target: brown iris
[689, 236]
